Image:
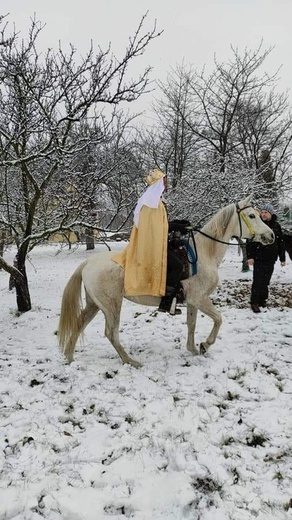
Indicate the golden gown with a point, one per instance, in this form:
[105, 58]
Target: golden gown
[145, 258]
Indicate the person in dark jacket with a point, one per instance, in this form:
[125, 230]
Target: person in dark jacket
[263, 259]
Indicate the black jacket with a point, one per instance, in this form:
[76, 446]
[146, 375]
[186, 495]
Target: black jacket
[269, 253]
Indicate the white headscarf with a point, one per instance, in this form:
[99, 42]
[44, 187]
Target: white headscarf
[150, 198]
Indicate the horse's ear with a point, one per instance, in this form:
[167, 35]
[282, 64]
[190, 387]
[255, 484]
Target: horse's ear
[247, 200]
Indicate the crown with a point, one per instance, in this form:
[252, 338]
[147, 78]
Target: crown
[153, 176]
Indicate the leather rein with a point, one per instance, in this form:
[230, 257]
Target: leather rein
[240, 216]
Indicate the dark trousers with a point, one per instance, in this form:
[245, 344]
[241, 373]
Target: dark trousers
[262, 274]
[174, 272]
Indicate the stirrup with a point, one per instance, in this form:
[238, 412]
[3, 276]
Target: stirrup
[173, 306]
[168, 304]
[173, 310]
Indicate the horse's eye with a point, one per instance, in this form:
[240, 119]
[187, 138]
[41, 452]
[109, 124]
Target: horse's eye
[251, 215]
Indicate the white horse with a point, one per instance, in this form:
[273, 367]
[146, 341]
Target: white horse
[103, 281]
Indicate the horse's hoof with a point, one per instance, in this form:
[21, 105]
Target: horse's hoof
[203, 348]
[134, 363]
[69, 358]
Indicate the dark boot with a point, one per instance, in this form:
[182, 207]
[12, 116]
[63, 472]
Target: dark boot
[166, 303]
[263, 304]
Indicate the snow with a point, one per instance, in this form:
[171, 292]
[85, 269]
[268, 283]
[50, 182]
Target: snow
[201, 438]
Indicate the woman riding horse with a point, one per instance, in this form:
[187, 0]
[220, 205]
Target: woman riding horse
[150, 269]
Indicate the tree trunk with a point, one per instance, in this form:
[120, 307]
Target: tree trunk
[22, 290]
[2, 243]
[18, 277]
[245, 266]
[22, 296]
[89, 237]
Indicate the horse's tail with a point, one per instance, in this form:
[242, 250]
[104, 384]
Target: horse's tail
[71, 308]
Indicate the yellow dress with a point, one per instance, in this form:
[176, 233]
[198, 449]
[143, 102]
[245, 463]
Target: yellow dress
[145, 257]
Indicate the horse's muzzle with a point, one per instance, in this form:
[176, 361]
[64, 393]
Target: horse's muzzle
[267, 239]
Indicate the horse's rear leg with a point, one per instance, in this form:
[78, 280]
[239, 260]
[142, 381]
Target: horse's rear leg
[112, 323]
[87, 314]
[207, 307]
[191, 323]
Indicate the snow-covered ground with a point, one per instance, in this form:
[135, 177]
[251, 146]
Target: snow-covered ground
[194, 438]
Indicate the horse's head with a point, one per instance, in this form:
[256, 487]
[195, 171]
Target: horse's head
[251, 225]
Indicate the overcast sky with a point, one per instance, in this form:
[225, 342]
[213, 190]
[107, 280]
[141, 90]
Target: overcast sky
[193, 30]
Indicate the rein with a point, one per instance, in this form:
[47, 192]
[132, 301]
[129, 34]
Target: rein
[213, 238]
[244, 218]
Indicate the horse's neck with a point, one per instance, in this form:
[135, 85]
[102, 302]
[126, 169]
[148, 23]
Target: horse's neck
[214, 248]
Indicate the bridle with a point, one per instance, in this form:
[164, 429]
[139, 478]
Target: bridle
[240, 216]
[245, 220]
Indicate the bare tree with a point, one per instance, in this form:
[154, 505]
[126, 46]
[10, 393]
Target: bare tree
[170, 143]
[238, 132]
[265, 131]
[110, 172]
[43, 101]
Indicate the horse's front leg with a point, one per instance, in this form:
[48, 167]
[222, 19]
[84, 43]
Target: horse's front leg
[191, 323]
[207, 307]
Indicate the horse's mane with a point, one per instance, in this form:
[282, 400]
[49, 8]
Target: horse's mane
[217, 226]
